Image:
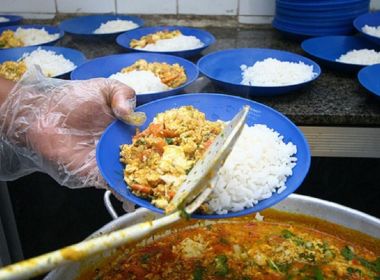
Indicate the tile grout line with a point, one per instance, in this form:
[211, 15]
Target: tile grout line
[56, 6]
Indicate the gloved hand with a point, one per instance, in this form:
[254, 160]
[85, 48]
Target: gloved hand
[53, 126]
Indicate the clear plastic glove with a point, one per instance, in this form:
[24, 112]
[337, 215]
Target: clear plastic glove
[53, 126]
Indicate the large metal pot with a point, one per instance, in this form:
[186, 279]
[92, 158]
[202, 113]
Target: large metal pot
[299, 204]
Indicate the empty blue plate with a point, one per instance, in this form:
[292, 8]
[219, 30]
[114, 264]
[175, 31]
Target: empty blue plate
[216, 107]
[84, 26]
[108, 65]
[371, 19]
[48, 28]
[223, 68]
[369, 78]
[329, 48]
[205, 37]
[12, 20]
[15, 54]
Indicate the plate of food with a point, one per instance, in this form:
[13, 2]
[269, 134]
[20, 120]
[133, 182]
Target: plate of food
[6, 20]
[100, 26]
[152, 76]
[56, 62]
[344, 53]
[258, 72]
[369, 26]
[174, 40]
[16, 36]
[269, 161]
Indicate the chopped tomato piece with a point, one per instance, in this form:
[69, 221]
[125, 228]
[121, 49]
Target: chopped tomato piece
[141, 188]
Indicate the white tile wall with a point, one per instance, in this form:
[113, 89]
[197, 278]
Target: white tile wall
[255, 19]
[208, 7]
[375, 4]
[249, 11]
[146, 6]
[257, 7]
[28, 6]
[86, 6]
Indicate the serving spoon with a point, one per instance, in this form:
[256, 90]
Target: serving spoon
[192, 193]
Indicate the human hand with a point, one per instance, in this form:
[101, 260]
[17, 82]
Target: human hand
[53, 126]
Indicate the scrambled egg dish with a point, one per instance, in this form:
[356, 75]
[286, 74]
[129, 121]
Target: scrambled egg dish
[153, 38]
[12, 70]
[8, 40]
[171, 75]
[161, 156]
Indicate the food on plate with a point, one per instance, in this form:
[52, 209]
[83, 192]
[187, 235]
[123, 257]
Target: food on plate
[51, 64]
[12, 70]
[113, 26]
[161, 156]
[4, 19]
[273, 72]
[145, 77]
[257, 167]
[371, 30]
[282, 246]
[361, 57]
[9, 40]
[166, 41]
[25, 37]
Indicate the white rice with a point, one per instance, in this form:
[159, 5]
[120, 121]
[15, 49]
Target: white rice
[272, 72]
[141, 81]
[371, 30]
[51, 64]
[361, 57]
[117, 25]
[34, 36]
[257, 166]
[4, 19]
[178, 43]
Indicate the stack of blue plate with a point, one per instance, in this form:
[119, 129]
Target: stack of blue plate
[306, 18]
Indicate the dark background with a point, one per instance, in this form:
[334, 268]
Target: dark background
[50, 216]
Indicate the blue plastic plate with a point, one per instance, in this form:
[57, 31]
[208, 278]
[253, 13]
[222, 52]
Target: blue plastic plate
[12, 20]
[369, 79]
[329, 48]
[323, 7]
[49, 29]
[216, 107]
[207, 38]
[371, 19]
[15, 54]
[312, 28]
[84, 26]
[223, 68]
[108, 65]
[348, 12]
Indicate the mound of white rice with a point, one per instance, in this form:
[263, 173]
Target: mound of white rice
[371, 30]
[141, 81]
[361, 57]
[113, 26]
[178, 43]
[34, 36]
[273, 72]
[4, 19]
[51, 64]
[257, 166]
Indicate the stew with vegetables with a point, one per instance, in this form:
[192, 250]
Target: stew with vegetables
[283, 246]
